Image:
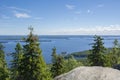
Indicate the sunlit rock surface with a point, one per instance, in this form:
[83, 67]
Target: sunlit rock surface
[91, 73]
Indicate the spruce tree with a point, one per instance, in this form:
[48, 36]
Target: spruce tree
[57, 64]
[97, 56]
[16, 62]
[114, 54]
[54, 55]
[33, 64]
[3, 65]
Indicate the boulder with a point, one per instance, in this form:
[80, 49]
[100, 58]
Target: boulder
[91, 73]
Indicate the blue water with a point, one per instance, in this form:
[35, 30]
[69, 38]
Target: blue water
[69, 44]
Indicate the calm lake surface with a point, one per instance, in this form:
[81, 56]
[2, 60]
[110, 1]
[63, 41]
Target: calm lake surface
[66, 43]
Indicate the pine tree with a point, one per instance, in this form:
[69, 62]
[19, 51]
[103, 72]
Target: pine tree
[57, 64]
[3, 66]
[16, 62]
[97, 56]
[33, 64]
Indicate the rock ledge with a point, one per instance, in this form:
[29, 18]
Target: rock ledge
[91, 73]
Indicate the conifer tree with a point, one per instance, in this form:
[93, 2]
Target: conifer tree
[33, 64]
[57, 64]
[54, 55]
[3, 66]
[114, 54]
[97, 56]
[16, 62]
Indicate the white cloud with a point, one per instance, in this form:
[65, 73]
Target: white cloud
[18, 9]
[71, 7]
[98, 30]
[17, 12]
[22, 15]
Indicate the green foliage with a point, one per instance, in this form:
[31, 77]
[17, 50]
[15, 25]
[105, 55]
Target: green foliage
[114, 54]
[33, 64]
[57, 64]
[2, 56]
[4, 74]
[97, 56]
[3, 66]
[54, 55]
[71, 63]
[81, 54]
[61, 65]
[16, 62]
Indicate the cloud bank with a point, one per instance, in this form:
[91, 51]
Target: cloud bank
[98, 30]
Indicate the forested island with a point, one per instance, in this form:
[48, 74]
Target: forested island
[28, 62]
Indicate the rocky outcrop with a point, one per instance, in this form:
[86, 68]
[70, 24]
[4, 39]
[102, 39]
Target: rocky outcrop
[91, 73]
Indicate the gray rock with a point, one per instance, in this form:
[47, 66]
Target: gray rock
[91, 73]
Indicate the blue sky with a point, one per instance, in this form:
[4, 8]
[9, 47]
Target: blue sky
[60, 17]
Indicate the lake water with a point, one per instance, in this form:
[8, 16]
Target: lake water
[66, 43]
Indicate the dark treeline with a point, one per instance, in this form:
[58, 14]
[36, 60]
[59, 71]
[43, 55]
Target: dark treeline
[28, 62]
